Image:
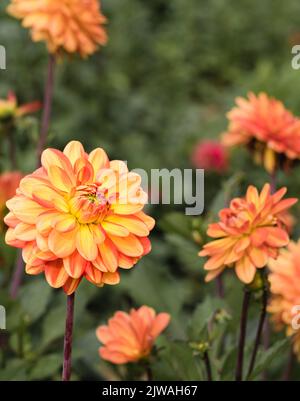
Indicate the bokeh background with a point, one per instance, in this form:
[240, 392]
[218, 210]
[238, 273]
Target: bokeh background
[169, 73]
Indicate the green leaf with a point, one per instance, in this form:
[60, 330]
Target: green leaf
[14, 370]
[265, 357]
[187, 253]
[46, 367]
[35, 297]
[177, 223]
[202, 316]
[53, 325]
[180, 361]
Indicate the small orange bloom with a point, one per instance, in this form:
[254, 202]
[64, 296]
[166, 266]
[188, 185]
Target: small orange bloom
[130, 337]
[9, 107]
[79, 215]
[249, 233]
[267, 127]
[75, 26]
[285, 291]
[9, 182]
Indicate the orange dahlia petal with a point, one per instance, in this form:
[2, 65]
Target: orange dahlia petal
[85, 243]
[245, 270]
[75, 265]
[129, 246]
[62, 244]
[55, 274]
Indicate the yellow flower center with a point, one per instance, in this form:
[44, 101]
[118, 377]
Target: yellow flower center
[89, 204]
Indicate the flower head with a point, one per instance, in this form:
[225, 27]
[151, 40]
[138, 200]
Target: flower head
[285, 291]
[249, 233]
[79, 215]
[267, 127]
[9, 182]
[130, 337]
[9, 108]
[74, 26]
[210, 155]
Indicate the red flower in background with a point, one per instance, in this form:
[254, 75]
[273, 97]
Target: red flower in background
[210, 155]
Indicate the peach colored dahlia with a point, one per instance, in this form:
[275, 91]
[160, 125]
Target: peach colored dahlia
[249, 233]
[130, 337]
[79, 215]
[74, 26]
[267, 127]
[285, 291]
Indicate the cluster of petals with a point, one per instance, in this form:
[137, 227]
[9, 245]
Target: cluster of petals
[284, 280]
[9, 107]
[270, 130]
[210, 155]
[9, 182]
[249, 233]
[129, 337]
[79, 215]
[74, 26]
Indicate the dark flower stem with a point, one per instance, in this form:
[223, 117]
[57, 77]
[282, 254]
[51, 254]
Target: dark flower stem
[48, 95]
[289, 366]
[17, 277]
[149, 374]
[273, 183]
[259, 330]
[68, 338]
[47, 107]
[207, 366]
[12, 151]
[220, 287]
[243, 328]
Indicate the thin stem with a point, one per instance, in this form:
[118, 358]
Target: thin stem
[149, 374]
[259, 330]
[289, 366]
[273, 181]
[220, 287]
[17, 276]
[68, 338]
[207, 366]
[12, 150]
[243, 328]
[48, 95]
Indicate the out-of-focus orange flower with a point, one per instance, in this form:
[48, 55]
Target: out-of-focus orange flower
[267, 127]
[249, 233]
[211, 156]
[9, 107]
[9, 182]
[79, 215]
[74, 26]
[285, 291]
[130, 337]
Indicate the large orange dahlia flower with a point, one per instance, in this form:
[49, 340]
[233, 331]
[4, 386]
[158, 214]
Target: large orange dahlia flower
[77, 216]
[130, 337]
[250, 232]
[75, 26]
[285, 291]
[267, 127]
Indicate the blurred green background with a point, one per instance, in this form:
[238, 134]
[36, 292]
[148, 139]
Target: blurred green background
[166, 78]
